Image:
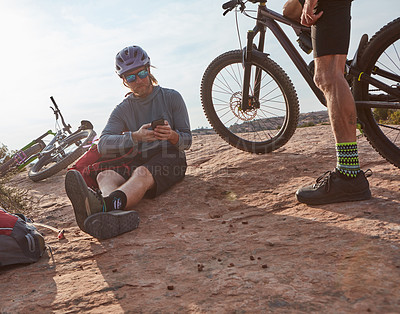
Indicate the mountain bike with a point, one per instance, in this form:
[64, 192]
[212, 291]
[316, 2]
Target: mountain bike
[63, 149]
[252, 104]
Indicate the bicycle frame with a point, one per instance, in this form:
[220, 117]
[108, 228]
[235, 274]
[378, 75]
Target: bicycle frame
[54, 145]
[267, 18]
[21, 157]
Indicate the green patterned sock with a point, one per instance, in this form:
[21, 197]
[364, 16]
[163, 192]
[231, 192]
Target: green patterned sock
[347, 159]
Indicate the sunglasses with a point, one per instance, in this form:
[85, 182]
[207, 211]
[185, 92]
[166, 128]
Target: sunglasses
[132, 77]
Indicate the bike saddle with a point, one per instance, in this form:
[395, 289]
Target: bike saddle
[361, 45]
[86, 125]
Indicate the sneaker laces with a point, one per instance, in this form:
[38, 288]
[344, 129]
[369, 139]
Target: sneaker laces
[324, 180]
[97, 193]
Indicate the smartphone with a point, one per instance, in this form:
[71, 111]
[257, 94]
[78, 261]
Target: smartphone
[157, 122]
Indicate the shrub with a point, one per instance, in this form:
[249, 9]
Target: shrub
[307, 124]
[12, 198]
[388, 116]
[4, 153]
[381, 114]
[394, 117]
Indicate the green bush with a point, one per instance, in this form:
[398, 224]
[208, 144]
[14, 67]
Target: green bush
[381, 114]
[389, 116]
[394, 117]
[11, 198]
[4, 153]
[307, 124]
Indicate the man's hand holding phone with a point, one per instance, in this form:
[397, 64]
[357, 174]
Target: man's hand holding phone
[156, 123]
[163, 131]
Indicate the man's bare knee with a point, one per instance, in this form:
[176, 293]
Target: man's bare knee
[110, 175]
[329, 70]
[323, 81]
[143, 175]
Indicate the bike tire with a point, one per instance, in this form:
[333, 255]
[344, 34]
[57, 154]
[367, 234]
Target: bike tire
[258, 130]
[12, 163]
[57, 159]
[383, 136]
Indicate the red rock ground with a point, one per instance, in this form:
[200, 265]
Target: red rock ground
[230, 238]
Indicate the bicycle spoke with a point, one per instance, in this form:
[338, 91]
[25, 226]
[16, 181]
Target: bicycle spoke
[256, 119]
[393, 62]
[264, 125]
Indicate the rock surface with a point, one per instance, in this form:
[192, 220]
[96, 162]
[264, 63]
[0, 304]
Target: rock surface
[230, 238]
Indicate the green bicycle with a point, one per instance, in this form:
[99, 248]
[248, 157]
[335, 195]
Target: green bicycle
[63, 149]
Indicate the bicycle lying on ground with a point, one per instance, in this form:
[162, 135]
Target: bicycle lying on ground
[252, 104]
[63, 149]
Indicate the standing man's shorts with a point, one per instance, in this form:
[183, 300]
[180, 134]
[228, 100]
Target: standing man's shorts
[331, 33]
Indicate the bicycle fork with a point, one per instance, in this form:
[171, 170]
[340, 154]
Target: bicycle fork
[247, 56]
[250, 102]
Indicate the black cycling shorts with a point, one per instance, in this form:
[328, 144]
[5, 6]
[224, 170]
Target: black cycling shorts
[331, 33]
[168, 167]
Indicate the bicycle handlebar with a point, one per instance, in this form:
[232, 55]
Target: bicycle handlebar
[58, 112]
[54, 102]
[230, 5]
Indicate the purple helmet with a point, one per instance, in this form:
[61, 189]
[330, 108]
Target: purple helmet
[130, 58]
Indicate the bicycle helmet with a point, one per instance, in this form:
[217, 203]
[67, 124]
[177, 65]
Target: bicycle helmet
[130, 58]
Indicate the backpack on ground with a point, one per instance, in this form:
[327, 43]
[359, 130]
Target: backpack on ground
[20, 242]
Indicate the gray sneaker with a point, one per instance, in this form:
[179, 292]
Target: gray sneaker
[84, 200]
[331, 187]
[110, 224]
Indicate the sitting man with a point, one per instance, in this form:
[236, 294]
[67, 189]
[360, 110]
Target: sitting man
[158, 161]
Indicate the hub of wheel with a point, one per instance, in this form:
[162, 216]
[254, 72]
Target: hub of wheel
[236, 107]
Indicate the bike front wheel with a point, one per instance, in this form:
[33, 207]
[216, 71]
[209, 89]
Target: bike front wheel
[273, 116]
[381, 119]
[62, 154]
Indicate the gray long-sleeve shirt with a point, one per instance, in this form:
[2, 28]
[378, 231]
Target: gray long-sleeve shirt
[134, 112]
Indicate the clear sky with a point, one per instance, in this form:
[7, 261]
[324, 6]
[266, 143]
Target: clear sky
[66, 49]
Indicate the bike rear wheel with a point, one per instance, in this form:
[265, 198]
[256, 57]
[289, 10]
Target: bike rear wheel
[13, 163]
[63, 154]
[381, 60]
[273, 118]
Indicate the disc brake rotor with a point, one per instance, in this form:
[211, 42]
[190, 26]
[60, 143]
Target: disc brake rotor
[235, 103]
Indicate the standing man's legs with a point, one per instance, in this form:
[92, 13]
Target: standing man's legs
[329, 77]
[330, 22]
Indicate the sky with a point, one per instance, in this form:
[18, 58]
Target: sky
[66, 49]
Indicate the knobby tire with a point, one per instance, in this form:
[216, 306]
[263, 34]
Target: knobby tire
[259, 130]
[383, 51]
[78, 143]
